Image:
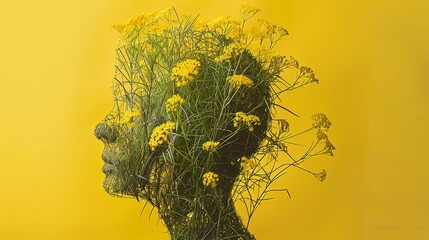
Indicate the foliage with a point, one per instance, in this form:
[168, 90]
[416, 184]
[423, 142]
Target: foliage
[193, 129]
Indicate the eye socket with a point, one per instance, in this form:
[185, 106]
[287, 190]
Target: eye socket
[128, 92]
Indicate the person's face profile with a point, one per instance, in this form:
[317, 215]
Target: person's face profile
[121, 131]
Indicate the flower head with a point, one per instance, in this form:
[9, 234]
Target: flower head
[247, 119]
[248, 164]
[210, 146]
[248, 11]
[144, 20]
[160, 134]
[219, 21]
[320, 120]
[210, 179]
[185, 71]
[321, 135]
[239, 80]
[124, 117]
[174, 102]
[128, 115]
[329, 148]
[270, 29]
[231, 50]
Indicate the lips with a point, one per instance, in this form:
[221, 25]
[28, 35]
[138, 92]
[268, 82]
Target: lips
[108, 167]
[106, 158]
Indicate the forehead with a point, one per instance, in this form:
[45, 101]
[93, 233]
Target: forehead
[140, 81]
[131, 80]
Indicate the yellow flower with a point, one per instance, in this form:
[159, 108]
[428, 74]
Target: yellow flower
[257, 32]
[219, 20]
[129, 115]
[160, 134]
[270, 29]
[200, 24]
[156, 29]
[130, 24]
[210, 179]
[174, 102]
[248, 164]
[143, 20]
[235, 31]
[232, 50]
[122, 116]
[249, 120]
[248, 11]
[239, 80]
[185, 71]
[210, 146]
[262, 52]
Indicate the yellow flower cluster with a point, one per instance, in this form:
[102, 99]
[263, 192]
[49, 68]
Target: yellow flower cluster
[248, 11]
[128, 115]
[145, 19]
[320, 120]
[233, 49]
[124, 117]
[185, 71]
[239, 80]
[174, 102]
[268, 30]
[219, 21]
[210, 146]
[249, 120]
[321, 135]
[160, 134]
[210, 179]
[262, 51]
[248, 164]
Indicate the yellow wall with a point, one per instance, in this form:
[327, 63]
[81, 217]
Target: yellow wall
[56, 68]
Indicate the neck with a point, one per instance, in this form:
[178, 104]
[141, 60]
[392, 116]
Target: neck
[208, 224]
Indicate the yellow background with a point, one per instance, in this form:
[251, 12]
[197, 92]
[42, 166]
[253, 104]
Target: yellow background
[56, 69]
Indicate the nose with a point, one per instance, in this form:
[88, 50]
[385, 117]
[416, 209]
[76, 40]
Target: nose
[105, 133]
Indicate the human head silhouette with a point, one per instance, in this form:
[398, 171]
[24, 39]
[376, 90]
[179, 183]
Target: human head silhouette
[192, 104]
[188, 105]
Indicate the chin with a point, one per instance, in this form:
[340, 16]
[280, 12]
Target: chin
[110, 184]
[115, 185]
